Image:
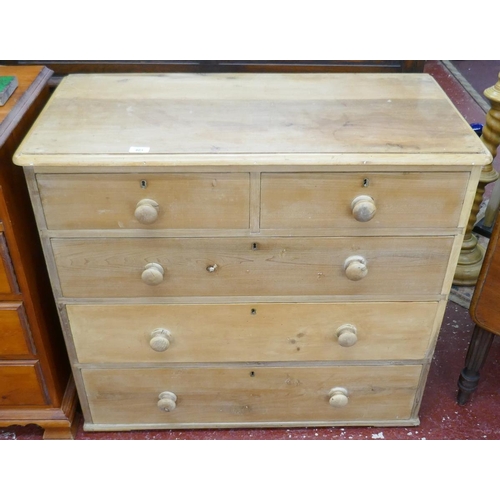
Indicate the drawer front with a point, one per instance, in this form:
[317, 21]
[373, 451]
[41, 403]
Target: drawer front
[180, 201]
[20, 385]
[251, 332]
[118, 267]
[8, 281]
[324, 200]
[15, 337]
[210, 395]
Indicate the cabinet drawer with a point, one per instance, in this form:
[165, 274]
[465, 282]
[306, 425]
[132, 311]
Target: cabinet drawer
[251, 332]
[15, 336]
[8, 281]
[20, 385]
[253, 394]
[324, 200]
[116, 267]
[181, 201]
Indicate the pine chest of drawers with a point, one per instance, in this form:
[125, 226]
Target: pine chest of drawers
[251, 250]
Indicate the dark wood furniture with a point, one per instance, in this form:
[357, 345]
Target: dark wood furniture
[485, 312]
[35, 382]
[63, 68]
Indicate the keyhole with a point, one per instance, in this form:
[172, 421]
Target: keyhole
[254, 246]
[252, 374]
[366, 183]
[253, 311]
[144, 184]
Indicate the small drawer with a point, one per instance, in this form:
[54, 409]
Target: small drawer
[252, 395]
[8, 281]
[15, 335]
[208, 267]
[369, 200]
[20, 385]
[155, 201]
[263, 332]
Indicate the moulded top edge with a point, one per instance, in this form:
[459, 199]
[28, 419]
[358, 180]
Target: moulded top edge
[244, 160]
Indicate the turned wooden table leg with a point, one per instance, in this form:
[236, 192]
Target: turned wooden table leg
[472, 254]
[476, 356]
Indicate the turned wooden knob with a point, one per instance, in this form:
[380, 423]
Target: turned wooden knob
[363, 208]
[338, 397]
[152, 274]
[166, 401]
[347, 335]
[355, 268]
[160, 340]
[146, 211]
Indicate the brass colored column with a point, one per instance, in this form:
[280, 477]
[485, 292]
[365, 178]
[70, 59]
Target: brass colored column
[472, 254]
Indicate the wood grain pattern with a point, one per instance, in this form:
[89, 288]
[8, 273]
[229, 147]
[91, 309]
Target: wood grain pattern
[15, 336]
[247, 114]
[112, 267]
[250, 278]
[319, 200]
[26, 76]
[251, 332]
[208, 396]
[63, 68]
[20, 385]
[186, 201]
[34, 367]
[8, 281]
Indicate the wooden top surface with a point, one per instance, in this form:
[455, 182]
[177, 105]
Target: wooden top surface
[11, 111]
[243, 118]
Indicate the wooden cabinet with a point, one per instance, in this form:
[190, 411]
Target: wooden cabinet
[64, 68]
[36, 385]
[485, 313]
[233, 250]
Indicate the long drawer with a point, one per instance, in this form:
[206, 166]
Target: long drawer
[182, 267]
[169, 201]
[251, 332]
[219, 395]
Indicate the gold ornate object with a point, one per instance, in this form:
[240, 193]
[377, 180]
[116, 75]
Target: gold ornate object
[472, 254]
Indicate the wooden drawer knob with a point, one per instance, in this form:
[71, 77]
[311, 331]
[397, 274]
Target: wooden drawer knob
[347, 335]
[338, 397]
[166, 401]
[355, 268]
[152, 274]
[146, 211]
[160, 340]
[363, 208]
